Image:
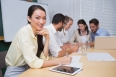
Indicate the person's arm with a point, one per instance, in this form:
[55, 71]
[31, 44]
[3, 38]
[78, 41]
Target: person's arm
[72, 39]
[91, 44]
[62, 53]
[72, 47]
[68, 48]
[104, 33]
[56, 61]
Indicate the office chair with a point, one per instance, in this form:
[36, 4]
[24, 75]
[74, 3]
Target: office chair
[0, 73]
[2, 61]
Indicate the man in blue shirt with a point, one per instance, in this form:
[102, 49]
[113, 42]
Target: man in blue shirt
[96, 30]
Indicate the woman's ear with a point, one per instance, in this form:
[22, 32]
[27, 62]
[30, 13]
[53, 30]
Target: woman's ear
[28, 18]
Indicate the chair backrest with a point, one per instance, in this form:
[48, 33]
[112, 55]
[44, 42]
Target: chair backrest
[0, 73]
[2, 59]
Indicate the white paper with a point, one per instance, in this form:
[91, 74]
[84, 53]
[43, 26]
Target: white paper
[78, 65]
[75, 59]
[102, 56]
[75, 62]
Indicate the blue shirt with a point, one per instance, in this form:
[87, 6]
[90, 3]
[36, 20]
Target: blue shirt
[100, 32]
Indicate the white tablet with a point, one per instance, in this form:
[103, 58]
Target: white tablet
[66, 69]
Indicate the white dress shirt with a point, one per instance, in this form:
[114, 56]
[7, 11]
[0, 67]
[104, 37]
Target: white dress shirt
[58, 39]
[64, 36]
[54, 46]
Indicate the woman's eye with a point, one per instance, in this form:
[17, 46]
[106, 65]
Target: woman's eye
[44, 18]
[37, 17]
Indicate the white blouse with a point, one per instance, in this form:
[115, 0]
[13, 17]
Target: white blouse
[64, 36]
[84, 39]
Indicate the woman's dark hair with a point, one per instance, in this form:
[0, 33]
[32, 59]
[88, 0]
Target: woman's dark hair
[39, 37]
[33, 8]
[82, 21]
[40, 45]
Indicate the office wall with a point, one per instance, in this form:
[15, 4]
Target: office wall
[3, 45]
[1, 27]
[103, 10]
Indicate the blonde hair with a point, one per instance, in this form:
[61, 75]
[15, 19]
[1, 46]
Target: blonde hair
[67, 19]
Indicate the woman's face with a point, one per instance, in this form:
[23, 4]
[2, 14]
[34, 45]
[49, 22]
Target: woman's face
[81, 27]
[37, 20]
[68, 25]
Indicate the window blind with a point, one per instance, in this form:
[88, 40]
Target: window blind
[103, 10]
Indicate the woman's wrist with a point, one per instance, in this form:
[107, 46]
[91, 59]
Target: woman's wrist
[58, 61]
[47, 38]
[72, 46]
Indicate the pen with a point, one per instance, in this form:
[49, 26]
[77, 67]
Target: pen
[66, 54]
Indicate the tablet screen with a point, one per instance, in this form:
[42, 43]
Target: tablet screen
[66, 69]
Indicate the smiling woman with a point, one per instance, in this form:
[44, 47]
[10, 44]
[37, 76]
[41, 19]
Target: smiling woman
[27, 49]
[82, 35]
